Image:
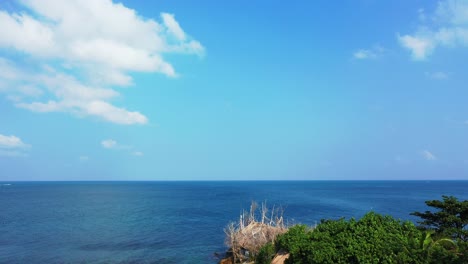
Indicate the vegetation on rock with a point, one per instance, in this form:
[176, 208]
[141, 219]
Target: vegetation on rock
[255, 229]
[379, 239]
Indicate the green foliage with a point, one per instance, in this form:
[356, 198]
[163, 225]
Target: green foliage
[372, 239]
[451, 219]
[462, 251]
[265, 254]
[435, 250]
[380, 239]
[292, 240]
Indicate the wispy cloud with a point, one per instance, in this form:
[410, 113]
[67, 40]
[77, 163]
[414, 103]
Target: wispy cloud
[427, 155]
[13, 146]
[438, 75]
[449, 29]
[400, 159]
[74, 66]
[11, 142]
[83, 158]
[173, 26]
[137, 153]
[372, 53]
[422, 14]
[112, 144]
[109, 143]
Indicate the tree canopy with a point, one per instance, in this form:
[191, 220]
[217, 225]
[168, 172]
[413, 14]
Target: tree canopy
[375, 238]
[450, 220]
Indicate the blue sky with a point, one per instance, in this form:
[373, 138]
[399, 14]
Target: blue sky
[232, 90]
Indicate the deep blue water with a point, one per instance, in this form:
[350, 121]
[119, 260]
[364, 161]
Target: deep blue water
[177, 222]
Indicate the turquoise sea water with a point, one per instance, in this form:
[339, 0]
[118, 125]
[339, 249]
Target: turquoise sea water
[177, 222]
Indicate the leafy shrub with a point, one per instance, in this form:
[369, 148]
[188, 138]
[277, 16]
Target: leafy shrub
[293, 240]
[372, 239]
[266, 254]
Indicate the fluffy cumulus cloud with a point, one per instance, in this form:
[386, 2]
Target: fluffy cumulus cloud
[449, 28]
[12, 146]
[72, 55]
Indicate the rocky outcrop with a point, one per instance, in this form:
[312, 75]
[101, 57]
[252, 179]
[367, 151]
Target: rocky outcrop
[280, 258]
[229, 260]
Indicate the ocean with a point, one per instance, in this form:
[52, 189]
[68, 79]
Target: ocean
[178, 222]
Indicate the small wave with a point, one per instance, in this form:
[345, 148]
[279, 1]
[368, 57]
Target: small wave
[6, 184]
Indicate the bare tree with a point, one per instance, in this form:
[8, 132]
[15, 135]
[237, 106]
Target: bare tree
[246, 237]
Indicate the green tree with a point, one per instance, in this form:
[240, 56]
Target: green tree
[265, 254]
[437, 250]
[451, 219]
[372, 239]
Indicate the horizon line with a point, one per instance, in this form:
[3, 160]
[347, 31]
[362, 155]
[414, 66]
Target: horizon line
[291, 180]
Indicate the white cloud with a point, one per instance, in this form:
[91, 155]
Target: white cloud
[427, 155]
[452, 11]
[11, 142]
[112, 144]
[31, 91]
[364, 54]
[114, 114]
[403, 160]
[24, 33]
[173, 26]
[420, 47]
[109, 143]
[137, 153]
[7, 70]
[12, 146]
[450, 29]
[438, 75]
[372, 53]
[421, 14]
[12, 153]
[74, 66]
